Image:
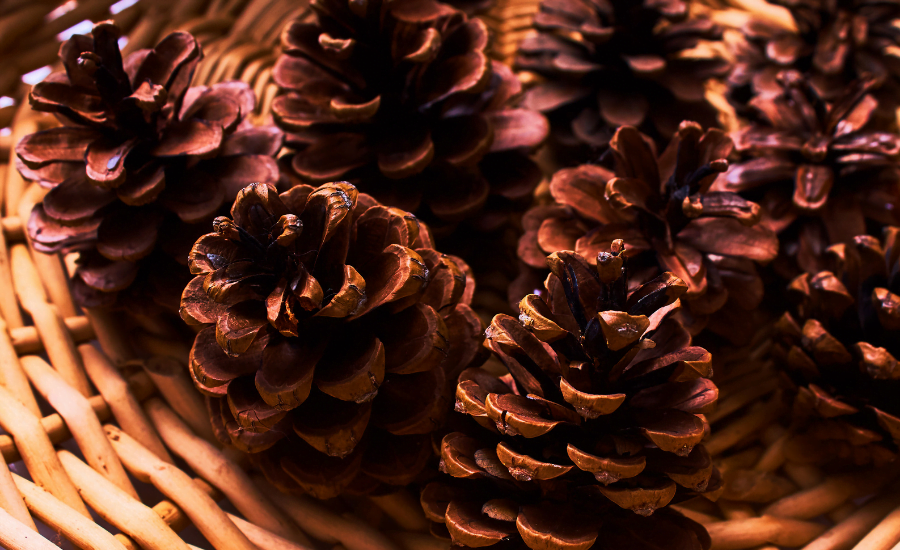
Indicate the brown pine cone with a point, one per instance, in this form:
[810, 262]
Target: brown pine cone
[140, 162]
[669, 219]
[620, 62]
[841, 348]
[333, 327]
[401, 99]
[597, 423]
[836, 43]
[821, 172]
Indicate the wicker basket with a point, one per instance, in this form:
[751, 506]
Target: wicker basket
[105, 452]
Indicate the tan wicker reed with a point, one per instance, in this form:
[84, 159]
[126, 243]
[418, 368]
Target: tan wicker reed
[89, 432]
[510, 23]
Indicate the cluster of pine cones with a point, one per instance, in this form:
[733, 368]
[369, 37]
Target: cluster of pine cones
[323, 261]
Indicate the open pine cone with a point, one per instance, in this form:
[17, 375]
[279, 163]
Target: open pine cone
[842, 347]
[333, 327]
[620, 62]
[837, 42]
[597, 424]
[669, 218]
[140, 160]
[821, 172]
[401, 99]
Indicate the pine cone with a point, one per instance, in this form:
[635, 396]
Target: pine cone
[332, 328]
[402, 100]
[598, 422]
[140, 161]
[841, 348]
[669, 219]
[621, 62]
[819, 169]
[836, 43]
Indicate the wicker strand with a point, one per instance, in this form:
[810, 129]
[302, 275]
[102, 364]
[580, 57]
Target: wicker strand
[117, 349]
[9, 307]
[58, 342]
[852, 529]
[176, 387]
[94, 10]
[54, 427]
[118, 507]
[168, 375]
[417, 541]
[263, 538]
[842, 512]
[751, 532]
[774, 456]
[741, 398]
[20, 22]
[10, 499]
[16, 535]
[11, 374]
[24, 123]
[83, 532]
[213, 466]
[79, 416]
[759, 416]
[885, 535]
[404, 509]
[202, 510]
[37, 451]
[124, 406]
[326, 525]
[28, 340]
[699, 517]
[12, 226]
[828, 495]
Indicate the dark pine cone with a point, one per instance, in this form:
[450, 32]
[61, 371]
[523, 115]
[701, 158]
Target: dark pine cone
[841, 349]
[619, 62]
[333, 329]
[821, 172]
[597, 424]
[140, 162]
[401, 99]
[836, 43]
[669, 219]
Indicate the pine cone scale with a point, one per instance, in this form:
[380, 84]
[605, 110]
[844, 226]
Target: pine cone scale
[353, 373]
[128, 234]
[77, 202]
